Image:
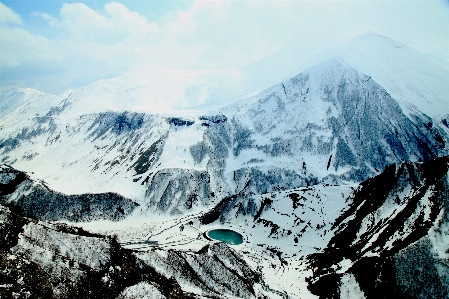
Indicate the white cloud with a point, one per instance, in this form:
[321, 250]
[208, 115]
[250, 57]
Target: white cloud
[19, 46]
[79, 18]
[132, 22]
[44, 16]
[86, 44]
[8, 16]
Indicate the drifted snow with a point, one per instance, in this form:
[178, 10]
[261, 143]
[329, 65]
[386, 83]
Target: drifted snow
[292, 135]
[141, 290]
[349, 288]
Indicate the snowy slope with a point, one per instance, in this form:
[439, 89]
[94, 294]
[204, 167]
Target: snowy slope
[332, 123]
[418, 82]
[394, 232]
[36, 200]
[296, 159]
[157, 90]
[386, 237]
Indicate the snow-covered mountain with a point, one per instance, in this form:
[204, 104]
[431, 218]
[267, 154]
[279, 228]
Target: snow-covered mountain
[36, 200]
[277, 156]
[384, 238]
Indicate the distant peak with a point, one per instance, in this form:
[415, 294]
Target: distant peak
[334, 65]
[24, 90]
[368, 34]
[371, 36]
[336, 62]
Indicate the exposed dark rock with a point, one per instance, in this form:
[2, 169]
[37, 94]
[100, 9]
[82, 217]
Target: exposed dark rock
[69, 273]
[117, 123]
[272, 179]
[216, 269]
[399, 255]
[216, 119]
[36, 200]
[241, 138]
[198, 152]
[179, 122]
[40, 126]
[175, 191]
[221, 210]
[148, 157]
[21, 278]
[265, 204]
[420, 273]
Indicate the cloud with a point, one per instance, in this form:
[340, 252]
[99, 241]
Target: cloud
[8, 16]
[81, 44]
[19, 46]
[44, 16]
[79, 18]
[125, 20]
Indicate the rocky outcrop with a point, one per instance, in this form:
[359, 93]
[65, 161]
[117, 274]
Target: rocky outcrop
[46, 260]
[343, 119]
[175, 191]
[59, 261]
[392, 233]
[37, 201]
[216, 270]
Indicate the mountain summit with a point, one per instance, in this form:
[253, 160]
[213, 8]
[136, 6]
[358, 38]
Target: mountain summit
[333, 122]
[301, 168]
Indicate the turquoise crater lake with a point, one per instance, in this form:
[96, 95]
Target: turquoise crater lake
[226, 235]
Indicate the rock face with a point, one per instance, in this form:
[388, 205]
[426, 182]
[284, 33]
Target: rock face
[344, 119]
[58, 261]
[393, 232]
[336, 178]
[384, 238]
[175, 191]
[47, 260]
[36, 200]
[215, 270]
[329, 124]
[332, 125]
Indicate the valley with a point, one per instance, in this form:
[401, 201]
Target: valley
[330, 183]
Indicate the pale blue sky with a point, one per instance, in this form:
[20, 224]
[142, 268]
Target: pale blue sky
[55, 45]
[154, 10]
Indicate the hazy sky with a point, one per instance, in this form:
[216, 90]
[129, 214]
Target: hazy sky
[55, 45]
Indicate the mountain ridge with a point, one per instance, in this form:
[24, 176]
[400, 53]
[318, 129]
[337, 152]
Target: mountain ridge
[179, 259]
[331, 114]
[339, 168]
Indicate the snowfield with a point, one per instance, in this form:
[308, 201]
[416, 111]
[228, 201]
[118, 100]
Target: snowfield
[336, 176]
